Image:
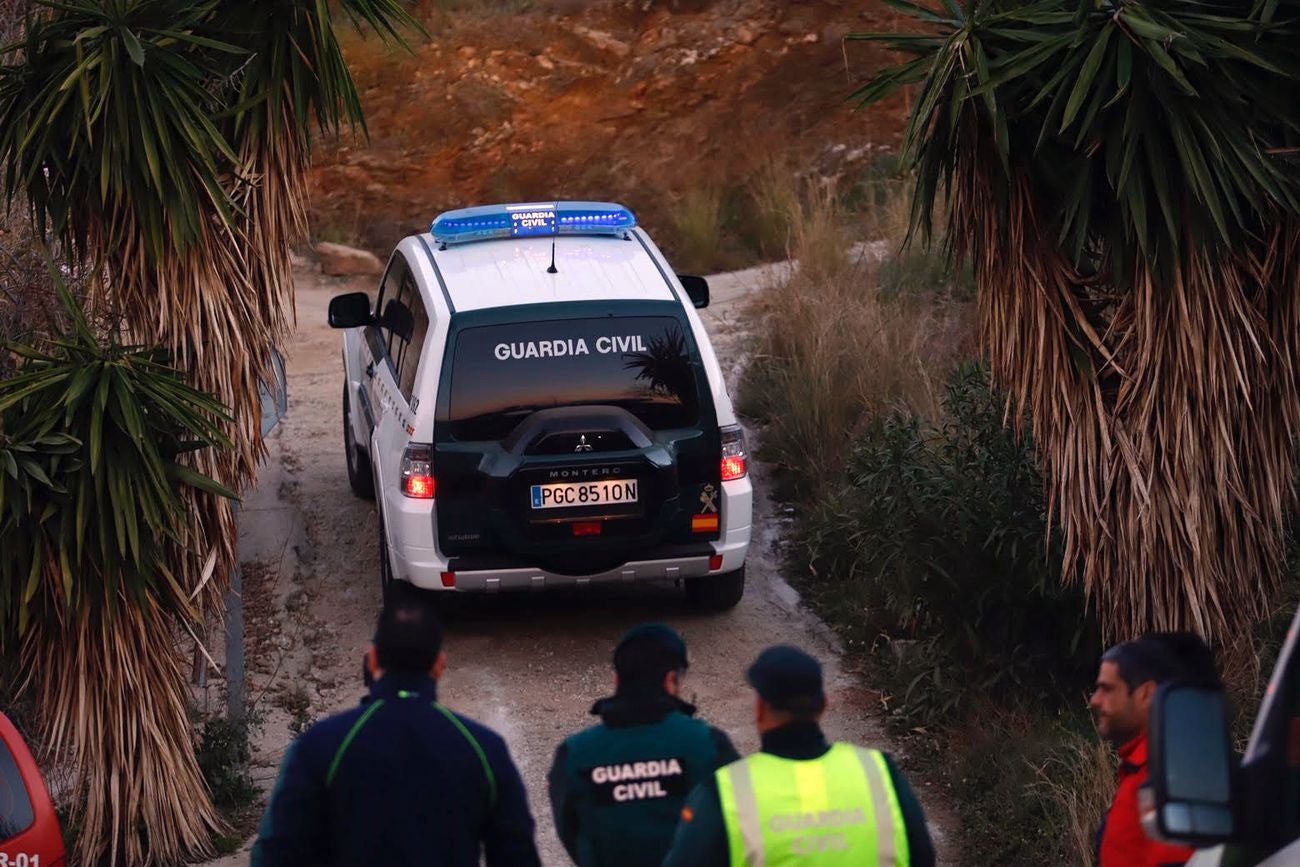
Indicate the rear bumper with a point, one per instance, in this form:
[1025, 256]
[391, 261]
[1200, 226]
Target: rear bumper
[424, 566]
[494, 580]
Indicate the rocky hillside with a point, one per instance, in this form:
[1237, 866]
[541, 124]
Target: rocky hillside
[663, 105]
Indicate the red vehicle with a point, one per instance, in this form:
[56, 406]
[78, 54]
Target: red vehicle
[29, 830]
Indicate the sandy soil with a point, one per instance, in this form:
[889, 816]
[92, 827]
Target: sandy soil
[527, 665]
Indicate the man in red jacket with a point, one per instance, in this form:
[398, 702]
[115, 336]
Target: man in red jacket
[1121, 703]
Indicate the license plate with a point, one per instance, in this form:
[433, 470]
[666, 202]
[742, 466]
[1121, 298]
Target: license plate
[563, 495]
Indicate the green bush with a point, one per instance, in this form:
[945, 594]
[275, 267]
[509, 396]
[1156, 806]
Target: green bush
[938, 537]
[223, 754]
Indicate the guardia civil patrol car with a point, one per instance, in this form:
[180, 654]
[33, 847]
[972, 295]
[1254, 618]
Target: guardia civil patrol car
[532, 400]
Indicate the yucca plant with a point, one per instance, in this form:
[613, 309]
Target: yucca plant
[1122, 175]
[164, 145]
[95, 439]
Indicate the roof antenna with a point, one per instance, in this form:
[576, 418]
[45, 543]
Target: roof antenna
[552, 269]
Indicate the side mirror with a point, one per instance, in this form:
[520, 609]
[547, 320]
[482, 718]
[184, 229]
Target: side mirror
[697, 289]
[350, 311]
[1191, 766]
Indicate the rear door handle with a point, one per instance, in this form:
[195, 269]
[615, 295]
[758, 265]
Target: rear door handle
[370, 370]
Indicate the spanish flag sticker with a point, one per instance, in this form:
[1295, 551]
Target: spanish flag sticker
[704, 523]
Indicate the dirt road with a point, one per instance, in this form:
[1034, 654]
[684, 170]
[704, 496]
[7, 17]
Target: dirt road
[527, 665]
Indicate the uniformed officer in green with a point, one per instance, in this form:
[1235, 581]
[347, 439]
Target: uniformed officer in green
[801, 801]
[618, 787]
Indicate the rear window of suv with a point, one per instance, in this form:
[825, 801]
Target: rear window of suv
[16, 813]
[502, 373]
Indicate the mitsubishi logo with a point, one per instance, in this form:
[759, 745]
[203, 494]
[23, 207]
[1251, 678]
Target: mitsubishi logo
[583, 445]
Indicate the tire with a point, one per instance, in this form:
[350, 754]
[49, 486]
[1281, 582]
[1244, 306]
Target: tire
[387, 583]
[360, 477]
[716, 592]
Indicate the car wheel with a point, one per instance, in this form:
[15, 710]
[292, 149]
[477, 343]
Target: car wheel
[716, 592]
[360, 476]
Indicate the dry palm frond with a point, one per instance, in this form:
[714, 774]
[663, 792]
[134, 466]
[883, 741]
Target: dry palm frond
[141, 762]
[1166, 436]
[92, 512]
[166, 142]
[1117, 179]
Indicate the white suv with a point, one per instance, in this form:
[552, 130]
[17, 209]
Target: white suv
[533, 401]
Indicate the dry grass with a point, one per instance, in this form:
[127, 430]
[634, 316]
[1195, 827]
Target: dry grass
[697, 217]
[774, 191]
[834, 350]
[1079, 780]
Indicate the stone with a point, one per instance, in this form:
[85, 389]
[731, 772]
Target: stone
[340, 260]
[604, 41]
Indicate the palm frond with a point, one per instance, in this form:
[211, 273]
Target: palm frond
[167, 143]
[1118, 174]
[92, 509]
[109, 110]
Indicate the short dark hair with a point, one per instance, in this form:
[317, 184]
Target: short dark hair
[1191, 656]
[1139, 662]
[408, 636]
[1161, 657]
[646, 656]
[802, 709]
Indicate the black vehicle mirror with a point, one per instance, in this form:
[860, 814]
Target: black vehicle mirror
[1191, 765]
[350, 311]
[398, 319]
[697, 289]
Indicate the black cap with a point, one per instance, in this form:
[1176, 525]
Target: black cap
[788, 679]
[649, 651]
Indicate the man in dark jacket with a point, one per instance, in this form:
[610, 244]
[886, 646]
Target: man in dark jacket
[801, 800]
[400, 780]
[617, 787]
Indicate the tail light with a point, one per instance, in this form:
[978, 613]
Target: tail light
[734, 457]
[417, 471]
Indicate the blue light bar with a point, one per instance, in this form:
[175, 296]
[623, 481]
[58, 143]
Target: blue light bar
[531, 219]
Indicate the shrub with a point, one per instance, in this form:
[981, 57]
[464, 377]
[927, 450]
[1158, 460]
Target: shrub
[1031, 789]
[941, 535]
[223, 755]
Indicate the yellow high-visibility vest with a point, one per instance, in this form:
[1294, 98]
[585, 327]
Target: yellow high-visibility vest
[839, 810]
